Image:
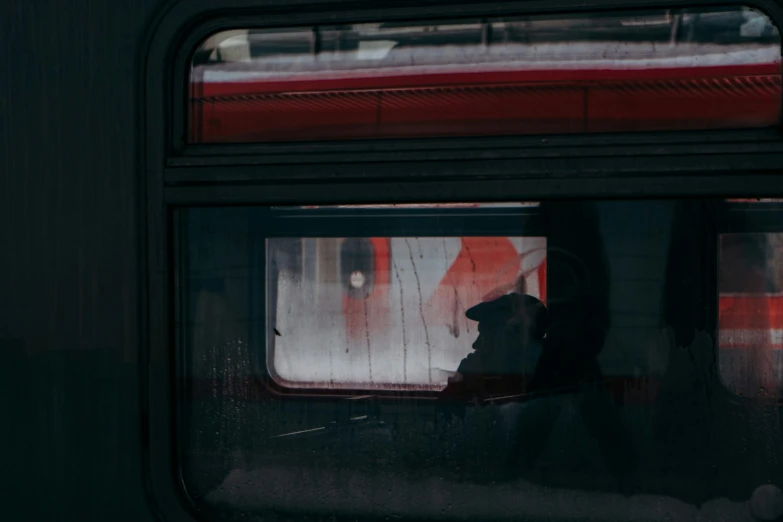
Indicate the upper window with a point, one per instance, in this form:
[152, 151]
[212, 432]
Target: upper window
[654, 70]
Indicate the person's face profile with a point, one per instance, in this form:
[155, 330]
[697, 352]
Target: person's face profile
[483, 341]
[481, 338]
[478, 342]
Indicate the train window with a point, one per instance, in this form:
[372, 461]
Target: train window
[336, 306]
[388, 312]
[637, 71]
[358, 355]
[751, 301]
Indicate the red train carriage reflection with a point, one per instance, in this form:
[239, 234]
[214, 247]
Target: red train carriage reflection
[641, 71]
[603, 99]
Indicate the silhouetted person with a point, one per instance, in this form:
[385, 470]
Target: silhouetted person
[566, 337]
[509, 343]
[511, 329]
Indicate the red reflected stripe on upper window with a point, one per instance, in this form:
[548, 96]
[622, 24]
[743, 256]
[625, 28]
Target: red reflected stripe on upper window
[500, 102]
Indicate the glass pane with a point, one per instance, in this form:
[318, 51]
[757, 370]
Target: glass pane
[751, 305]
[576, 360]
[601, 72]
[347, 305]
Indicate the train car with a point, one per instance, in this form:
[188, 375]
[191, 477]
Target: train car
[346, 260]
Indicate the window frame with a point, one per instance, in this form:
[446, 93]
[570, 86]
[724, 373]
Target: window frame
[270, 223]
[376, 223]
[760, 220]
[682, 164]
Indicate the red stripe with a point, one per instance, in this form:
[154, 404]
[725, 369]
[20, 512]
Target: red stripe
[751, 312]
[542, 281]
[523, 103]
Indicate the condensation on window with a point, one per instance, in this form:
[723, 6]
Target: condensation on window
[388, 312]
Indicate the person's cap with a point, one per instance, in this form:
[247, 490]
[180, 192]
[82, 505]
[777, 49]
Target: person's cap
[510, 307]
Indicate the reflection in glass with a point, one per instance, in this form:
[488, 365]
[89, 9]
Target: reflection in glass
[608, 72]
[751, 312]
[344, 318]
[568, 360]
